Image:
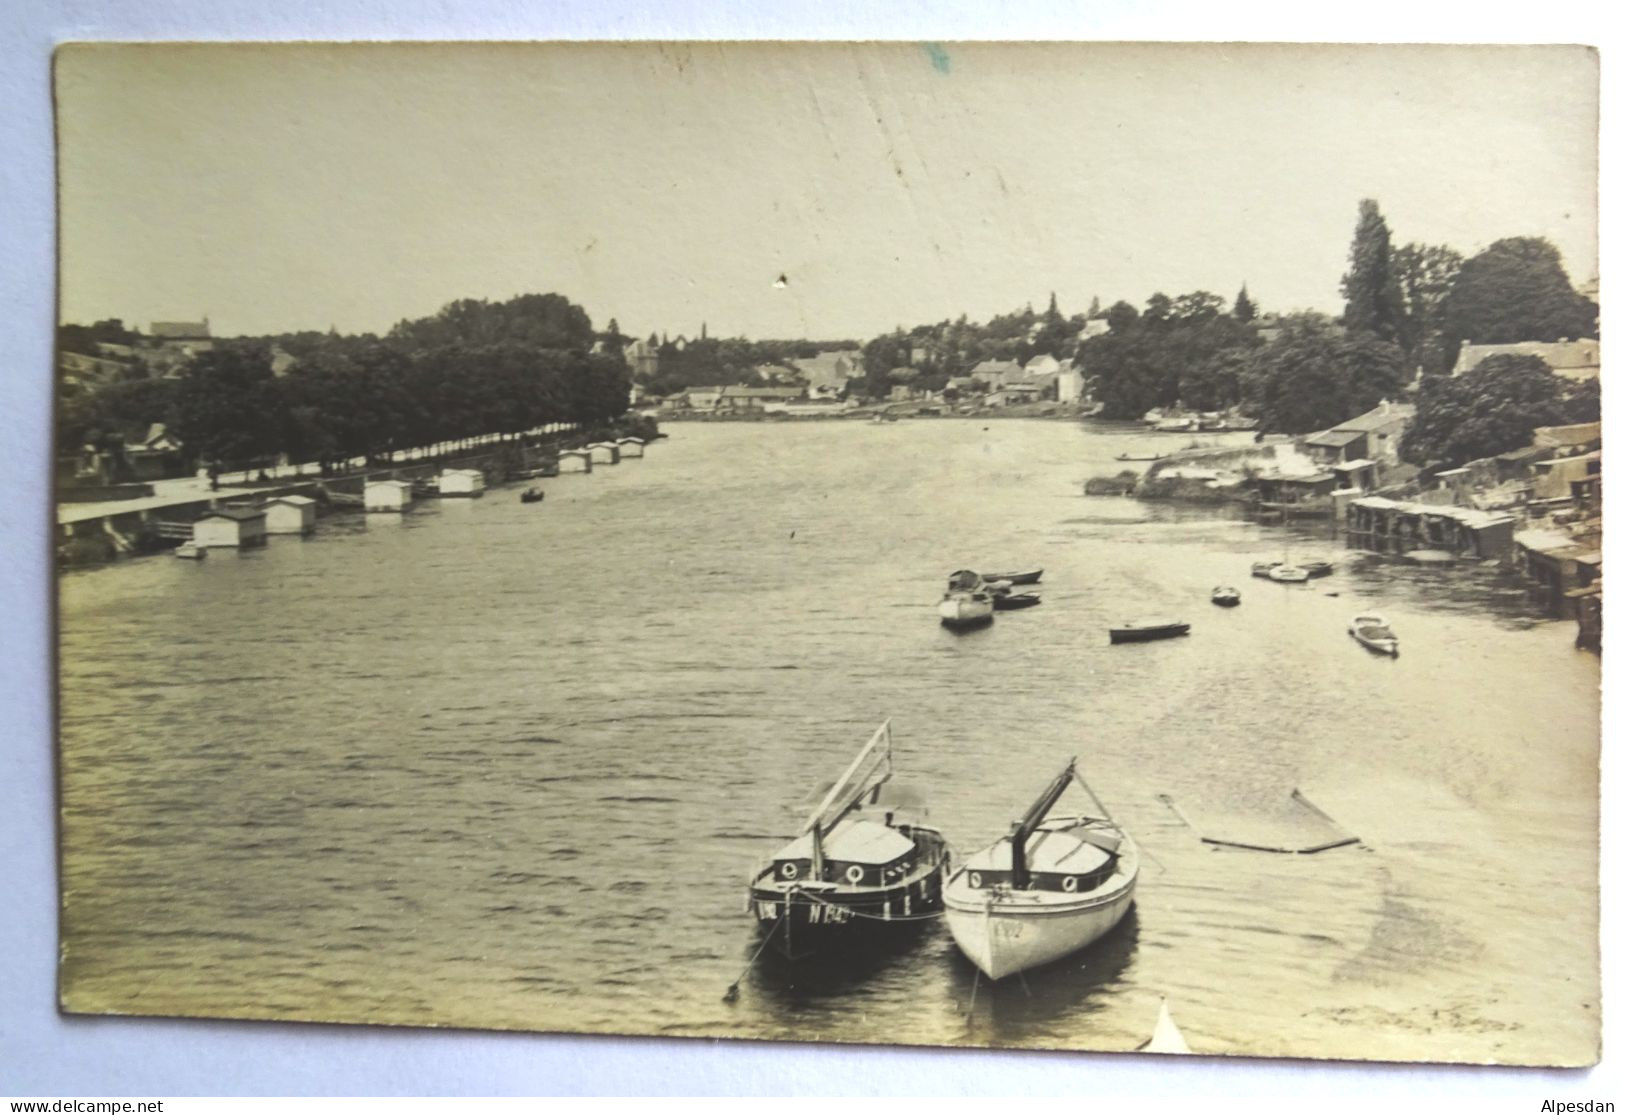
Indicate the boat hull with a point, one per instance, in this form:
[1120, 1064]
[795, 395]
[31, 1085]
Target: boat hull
[1389, 647]
[1147, 634]
[965, 612]
[1026, 577]
[802, 920]
[1002, 938]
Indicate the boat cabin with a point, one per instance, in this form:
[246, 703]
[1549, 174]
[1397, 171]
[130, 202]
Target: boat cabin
[1072, 860]
[856, 853]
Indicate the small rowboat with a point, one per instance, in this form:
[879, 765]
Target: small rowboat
[1289, 574]
[857, 870]
[1025, 577]
[1141, 456]
[1010, 601]
[1144, 630]
[1373, 633]
[1050, 888]
[1262, 568]
[1226, 597]
[191, 551]
[532, 495]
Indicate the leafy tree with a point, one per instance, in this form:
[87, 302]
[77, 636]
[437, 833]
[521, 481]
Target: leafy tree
[1425, 273]
[1491, 409]
[1122, 317]
[1244, 310]
[1514, 290]
[1369, 285]
[1313, 376]
[228, 407]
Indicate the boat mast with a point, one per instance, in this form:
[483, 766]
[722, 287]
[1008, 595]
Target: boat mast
[878, 748]
[1020, 877]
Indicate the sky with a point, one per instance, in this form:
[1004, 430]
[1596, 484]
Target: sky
[280, 187]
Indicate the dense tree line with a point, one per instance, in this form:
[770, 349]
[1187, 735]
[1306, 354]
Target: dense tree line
[474, 368]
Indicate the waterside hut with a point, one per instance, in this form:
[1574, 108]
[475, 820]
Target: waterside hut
[387, 495]
[630, 447]
[462, 483]
[1396, 526]
[233, 527]
[290, 515]
[575, 460]
[604, 453]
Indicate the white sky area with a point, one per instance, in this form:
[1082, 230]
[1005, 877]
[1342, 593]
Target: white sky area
[285, 187]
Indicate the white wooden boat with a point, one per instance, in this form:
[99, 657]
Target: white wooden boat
[966, 607]
[1226, 597]
[1050, 888]
[858, 868]
[1146, 630]
[191, 551]
[1372, 632]
[1289, 574]
[1262, 568]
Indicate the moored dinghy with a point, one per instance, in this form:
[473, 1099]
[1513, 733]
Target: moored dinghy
[1226, 597]
[1288, 574]
[1372, 632]
[1050, 888]
[1023, 577]
[1144, 630]
[853, 871]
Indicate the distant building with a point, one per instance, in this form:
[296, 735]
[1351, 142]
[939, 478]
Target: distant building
[604, 453]
[1069, 385]
[290, 515]
[575, 460]
[1579, 360]
[993, 373]
[1374, 435]
[1042, 365]
[230, 527]
[157, 456]
[756, 398]
[703, 398]
[827, 374]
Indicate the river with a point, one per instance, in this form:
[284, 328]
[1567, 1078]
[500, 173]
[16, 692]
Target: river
[508, 766]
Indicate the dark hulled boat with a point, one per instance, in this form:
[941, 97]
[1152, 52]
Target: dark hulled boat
[858, 870]
[1144, 630]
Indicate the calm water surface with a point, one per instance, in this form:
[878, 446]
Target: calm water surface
[510, 766]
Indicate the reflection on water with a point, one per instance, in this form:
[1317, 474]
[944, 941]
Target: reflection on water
[498, 765]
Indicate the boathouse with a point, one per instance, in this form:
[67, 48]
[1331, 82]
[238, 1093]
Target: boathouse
[630, 447]
[575, 460]
[290, 515]
[236, 527]
[1559, 564]
[387, 495]
[1395, 526]
[604, 453]
[462, 483]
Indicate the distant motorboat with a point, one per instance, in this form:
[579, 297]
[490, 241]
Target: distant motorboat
[1226, 597]
[1372, 632]
[1145, 630]
[1050, 888]
[191, 551]
[532, 495]
[1288, 574]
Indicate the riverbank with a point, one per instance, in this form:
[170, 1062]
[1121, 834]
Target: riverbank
[103, 531]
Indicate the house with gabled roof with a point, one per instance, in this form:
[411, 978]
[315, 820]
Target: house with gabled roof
[1577, 359]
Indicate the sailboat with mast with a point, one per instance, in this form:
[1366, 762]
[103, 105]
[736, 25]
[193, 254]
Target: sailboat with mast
[860, 866]
[1053, 886]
